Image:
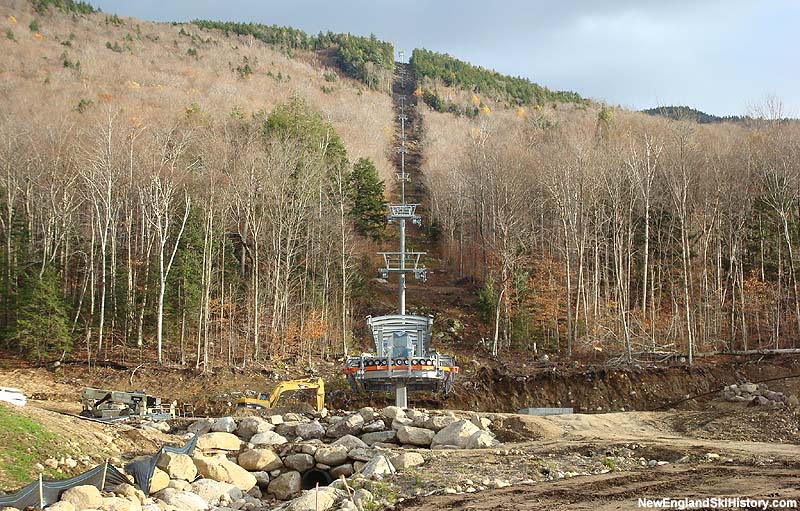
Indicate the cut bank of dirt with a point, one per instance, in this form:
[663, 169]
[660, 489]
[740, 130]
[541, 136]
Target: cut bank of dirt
[487, 385]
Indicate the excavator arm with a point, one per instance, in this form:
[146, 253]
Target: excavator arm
[287, 386]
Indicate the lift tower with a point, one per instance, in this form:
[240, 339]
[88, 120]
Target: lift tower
[403, 359]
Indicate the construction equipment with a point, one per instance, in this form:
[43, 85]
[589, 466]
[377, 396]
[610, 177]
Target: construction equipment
[106, 404]
[267, 402]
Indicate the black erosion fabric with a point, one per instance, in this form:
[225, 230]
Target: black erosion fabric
[103, 477]
[142, 470]
[49, 493]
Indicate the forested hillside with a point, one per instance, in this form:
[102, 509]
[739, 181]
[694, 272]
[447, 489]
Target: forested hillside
[434, 68]
[364, 58]
[171, 193]
[686, 113]
[602, 232]
[211, 191]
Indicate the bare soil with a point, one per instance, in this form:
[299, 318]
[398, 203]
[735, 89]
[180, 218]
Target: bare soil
[620, 490]
[597, 460]
[602, 462]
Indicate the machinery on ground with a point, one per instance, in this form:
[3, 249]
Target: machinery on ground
[108, 404]
[266, 401]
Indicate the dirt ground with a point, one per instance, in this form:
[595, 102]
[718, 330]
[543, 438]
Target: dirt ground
[602, 462]
[620, 490]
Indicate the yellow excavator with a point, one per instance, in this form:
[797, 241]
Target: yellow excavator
[267, 402]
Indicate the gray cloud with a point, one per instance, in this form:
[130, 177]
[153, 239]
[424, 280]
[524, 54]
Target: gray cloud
[716, 55]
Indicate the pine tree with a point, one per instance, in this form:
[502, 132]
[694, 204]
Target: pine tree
[367, 202]
[41, 329]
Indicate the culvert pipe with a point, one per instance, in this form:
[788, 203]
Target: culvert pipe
[312, 478]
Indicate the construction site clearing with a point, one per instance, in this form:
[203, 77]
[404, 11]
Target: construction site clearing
[742, 440]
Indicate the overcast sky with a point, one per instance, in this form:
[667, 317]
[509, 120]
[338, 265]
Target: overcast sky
[719, 56]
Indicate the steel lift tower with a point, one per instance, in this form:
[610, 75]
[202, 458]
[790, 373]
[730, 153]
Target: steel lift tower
[403, 360]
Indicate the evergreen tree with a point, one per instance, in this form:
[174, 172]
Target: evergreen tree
[367, 202]
[41, 329]
[487, 301]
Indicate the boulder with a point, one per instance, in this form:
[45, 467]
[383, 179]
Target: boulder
[259, 459]
[183, 500]
[393, 412]
[749, 388]
[58, 506]
[379, 436]
[342, 470]
[268, 438]
[262, 478]
[131, 493]
[309, 430]
[371, 427]
[220, 441]
[250, 426]
[287, 428]
[361, 454]
[349, 426]
[418, 417]
[212, 491]
[439, 422]
[378, 468]
[308, 448]
[300, 462]
[415, 436]
[367, 413]
[83, 497]
[224, 424]
[179, 484]
[118, 504]
[457, 433]
[481, 422]
[275, 419]
[158, 481]
[334, 455]
[225, 471]
[200, 427]
[407, 460]
[401, 421]
[254, 492]
[350, 441]
[285, 485]
[311, 500]
[480, 440]
[177, 466]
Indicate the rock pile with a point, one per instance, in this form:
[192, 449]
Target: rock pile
[246, 464]
[757, 394]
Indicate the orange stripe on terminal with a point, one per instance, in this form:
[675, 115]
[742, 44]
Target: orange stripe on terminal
[351, 370]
